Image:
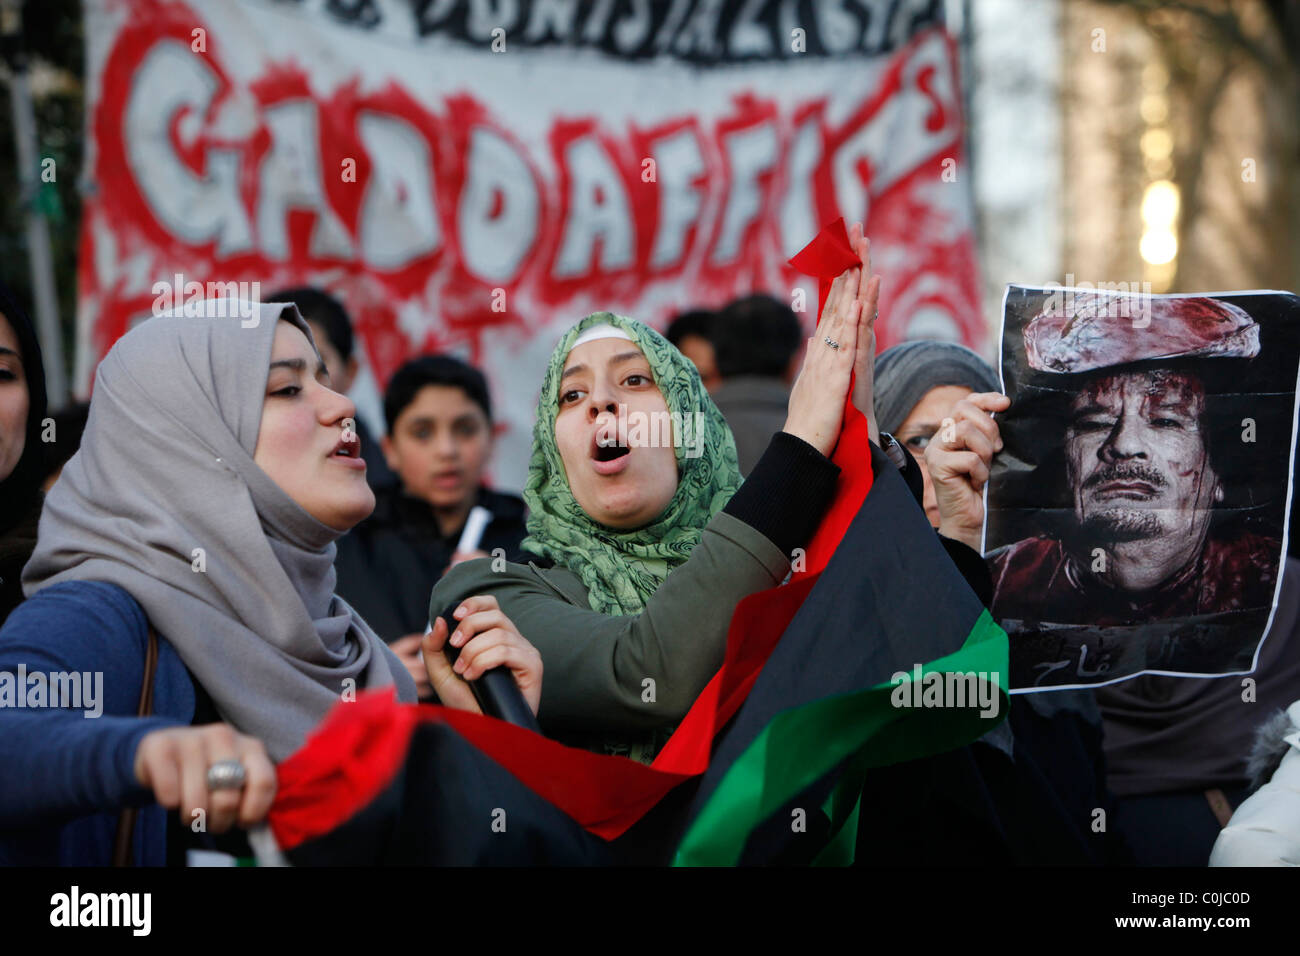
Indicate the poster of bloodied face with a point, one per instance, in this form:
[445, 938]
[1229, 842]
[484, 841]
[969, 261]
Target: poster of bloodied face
[1137, 514]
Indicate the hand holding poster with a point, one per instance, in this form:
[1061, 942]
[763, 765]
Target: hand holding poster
[1137, 515]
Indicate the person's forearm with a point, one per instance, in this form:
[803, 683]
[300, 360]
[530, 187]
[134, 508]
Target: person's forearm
[57, 764]
[787, 492]
[623, 674]
[679, 640]
[633, 673]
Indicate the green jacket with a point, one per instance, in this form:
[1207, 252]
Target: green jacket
[621, 684]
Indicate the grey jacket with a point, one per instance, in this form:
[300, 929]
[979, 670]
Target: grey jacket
[755, 406]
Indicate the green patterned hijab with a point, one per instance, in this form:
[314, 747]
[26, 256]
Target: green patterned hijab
[621, 569]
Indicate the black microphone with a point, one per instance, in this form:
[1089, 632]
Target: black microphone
[496, 691]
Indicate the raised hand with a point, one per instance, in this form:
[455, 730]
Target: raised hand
[864, 361]
[816, 410]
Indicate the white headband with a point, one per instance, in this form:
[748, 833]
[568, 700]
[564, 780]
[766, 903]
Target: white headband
[602, 331]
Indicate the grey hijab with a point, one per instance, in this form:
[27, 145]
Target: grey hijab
[906, 372]
[165, 467]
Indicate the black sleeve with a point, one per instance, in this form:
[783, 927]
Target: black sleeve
[973, 568]
[908, 466]
[786, 493]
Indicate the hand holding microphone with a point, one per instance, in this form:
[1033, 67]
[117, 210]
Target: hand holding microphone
[475, 657]
[477, 660]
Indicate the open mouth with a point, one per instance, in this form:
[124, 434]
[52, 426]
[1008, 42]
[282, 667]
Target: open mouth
[606, 447]
[608, 459]
[347, 449]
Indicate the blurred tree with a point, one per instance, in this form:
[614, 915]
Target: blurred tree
[52, 44]
[1232, 228]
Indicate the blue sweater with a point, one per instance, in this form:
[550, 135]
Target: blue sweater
[65, 775]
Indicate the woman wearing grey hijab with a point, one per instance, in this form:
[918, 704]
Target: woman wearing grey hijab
[942, 397]
[216, 472]
[918, 385]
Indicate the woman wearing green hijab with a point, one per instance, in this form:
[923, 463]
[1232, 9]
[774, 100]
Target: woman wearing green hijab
[645, 536]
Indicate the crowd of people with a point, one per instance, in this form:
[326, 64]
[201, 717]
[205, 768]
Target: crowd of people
[218, 535]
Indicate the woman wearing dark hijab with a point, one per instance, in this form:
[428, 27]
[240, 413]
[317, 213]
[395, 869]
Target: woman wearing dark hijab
[215, 473]
[22, 409]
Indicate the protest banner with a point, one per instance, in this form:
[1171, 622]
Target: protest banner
[474, 177]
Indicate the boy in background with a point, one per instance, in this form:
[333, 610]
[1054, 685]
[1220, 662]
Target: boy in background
[439, 440]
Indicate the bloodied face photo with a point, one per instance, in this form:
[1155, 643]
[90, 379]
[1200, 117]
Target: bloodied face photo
[1137, 462]
[1137, 517]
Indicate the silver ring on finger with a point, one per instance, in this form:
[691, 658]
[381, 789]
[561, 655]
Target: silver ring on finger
[832, 343]
[227, 775]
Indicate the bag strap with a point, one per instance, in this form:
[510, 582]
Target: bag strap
[122, 855]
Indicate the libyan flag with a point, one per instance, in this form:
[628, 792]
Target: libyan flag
[848, 666]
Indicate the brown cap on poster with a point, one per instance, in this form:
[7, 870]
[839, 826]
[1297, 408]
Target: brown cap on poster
[1083, 331]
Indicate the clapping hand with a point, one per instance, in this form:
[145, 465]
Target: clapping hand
[842, 346]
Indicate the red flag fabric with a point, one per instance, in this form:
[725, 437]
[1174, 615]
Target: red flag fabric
[607, 794]
[825, 258]
[828, 255]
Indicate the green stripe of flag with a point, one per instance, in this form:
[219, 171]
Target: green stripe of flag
[802, 745]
